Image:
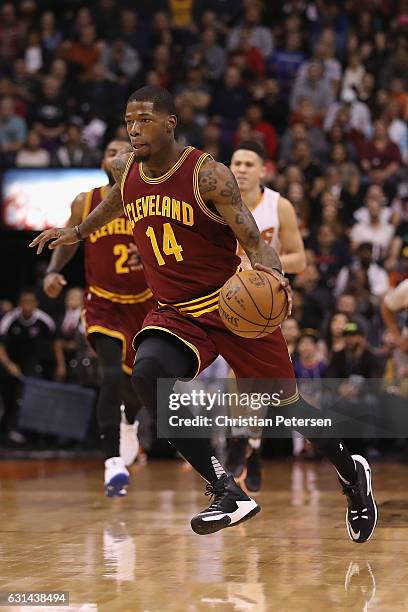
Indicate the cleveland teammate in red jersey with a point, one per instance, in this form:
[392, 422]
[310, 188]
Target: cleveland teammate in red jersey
[186, 212]
[117, 300]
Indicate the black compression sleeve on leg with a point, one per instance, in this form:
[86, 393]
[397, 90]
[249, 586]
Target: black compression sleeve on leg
[109, 351]
[130, 399]
[162, 356]
[331, 448]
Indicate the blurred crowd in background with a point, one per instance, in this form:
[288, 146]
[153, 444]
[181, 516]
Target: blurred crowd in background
[323, 85]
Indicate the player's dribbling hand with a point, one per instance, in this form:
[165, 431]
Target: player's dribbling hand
[284, 283]
[53, 283]
[65, 235]
[133, 261]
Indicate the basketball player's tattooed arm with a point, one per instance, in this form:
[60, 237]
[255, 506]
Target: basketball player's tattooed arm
[218, 186]
[110, 208]
[53, 281]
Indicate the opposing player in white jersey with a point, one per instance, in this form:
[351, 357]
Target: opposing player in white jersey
[277, 222]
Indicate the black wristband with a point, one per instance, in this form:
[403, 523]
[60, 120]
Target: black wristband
[78, 233]
[278, 270]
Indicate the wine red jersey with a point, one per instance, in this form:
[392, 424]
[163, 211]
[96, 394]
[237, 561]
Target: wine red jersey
[106, 255]
[187, 249]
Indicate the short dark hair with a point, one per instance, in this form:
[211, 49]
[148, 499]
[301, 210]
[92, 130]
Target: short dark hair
[252, 145]
[161, 98]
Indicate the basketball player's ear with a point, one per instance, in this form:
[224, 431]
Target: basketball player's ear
[171, 123]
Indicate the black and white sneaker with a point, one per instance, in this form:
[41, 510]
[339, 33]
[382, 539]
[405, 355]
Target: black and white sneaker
[253, 478]
[362, 512]
[236, 456]
[230, 507]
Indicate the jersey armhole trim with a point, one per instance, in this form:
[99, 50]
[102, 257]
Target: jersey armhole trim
[88, 202]
[125, 173]
[197, 193]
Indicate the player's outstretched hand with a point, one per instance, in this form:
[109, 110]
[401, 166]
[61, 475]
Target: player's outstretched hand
[133, 261]
[284, 283]
[65, 235]
[53, 284]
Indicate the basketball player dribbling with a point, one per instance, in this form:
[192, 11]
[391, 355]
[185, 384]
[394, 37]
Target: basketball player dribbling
[116, 302]
[277, 222]
[187, 214]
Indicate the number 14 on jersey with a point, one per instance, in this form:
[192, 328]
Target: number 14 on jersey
[170, 245]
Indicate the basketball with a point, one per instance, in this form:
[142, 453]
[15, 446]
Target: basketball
[252, 304]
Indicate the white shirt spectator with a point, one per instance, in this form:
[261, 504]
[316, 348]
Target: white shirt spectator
[260, 37]
[362, 214]
[33, 159]
[377, 279]
[353, 77]
[379, 236]
[398, 133]
[360, 117]
[331, 70]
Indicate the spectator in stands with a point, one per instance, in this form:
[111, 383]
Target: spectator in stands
[50, 35]
[381, 158]
[284, 63]
[334, 337]
[354, 73]
[121, 62]
[302, 157]
[84, 52]
[330, 254]
[32, 155]
[315, 297]
[213, 54]
[80, 362]
[50, 113]
[188, 131]
[260, 36]
[376, 232]
[309, 362]
[291, 333]
[397, 128]
[11, 34]
[362, 272]
[27, 348]
[74, 152]
[357, 114]
[314, 87]
[262, 130]
[231, 100]
[195, 90]
[12, 132]
[356, 364]
[96, 95]
[274, 105]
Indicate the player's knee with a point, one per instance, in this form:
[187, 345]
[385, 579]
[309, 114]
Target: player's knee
[145, 373]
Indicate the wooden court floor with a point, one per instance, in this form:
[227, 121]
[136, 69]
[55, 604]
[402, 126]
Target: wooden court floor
[58, 532]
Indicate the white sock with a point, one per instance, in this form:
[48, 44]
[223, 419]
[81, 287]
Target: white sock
[254, 443]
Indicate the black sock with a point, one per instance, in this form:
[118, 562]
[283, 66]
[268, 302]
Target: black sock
[131, 400]
[197, 451]
[110, 441]
[333, 449]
